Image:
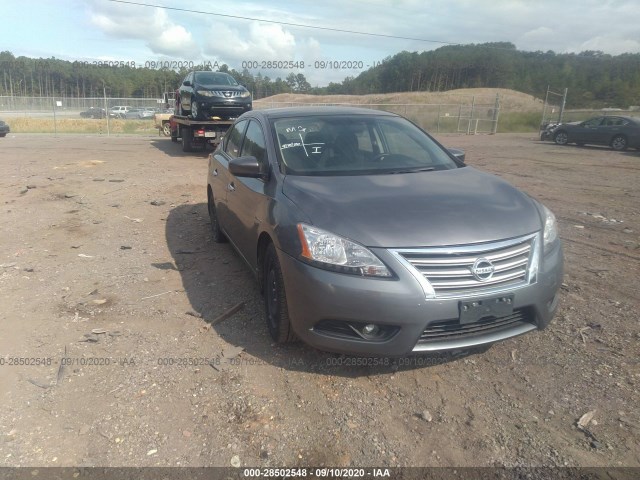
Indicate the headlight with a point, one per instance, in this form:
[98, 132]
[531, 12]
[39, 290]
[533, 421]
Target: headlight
[245, 95]
[326, 250]
[550, 228]
[205, 93]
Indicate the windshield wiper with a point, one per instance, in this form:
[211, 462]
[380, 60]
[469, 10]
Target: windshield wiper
[413, 170]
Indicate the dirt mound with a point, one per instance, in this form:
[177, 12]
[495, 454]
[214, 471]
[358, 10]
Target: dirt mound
[509, 99]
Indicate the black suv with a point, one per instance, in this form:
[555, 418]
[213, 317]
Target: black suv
[208, 94]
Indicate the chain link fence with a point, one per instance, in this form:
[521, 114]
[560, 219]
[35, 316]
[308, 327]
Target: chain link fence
[471, 117]
[63, 115]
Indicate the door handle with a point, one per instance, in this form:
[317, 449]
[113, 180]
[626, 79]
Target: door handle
[231, 187]
[215, 172]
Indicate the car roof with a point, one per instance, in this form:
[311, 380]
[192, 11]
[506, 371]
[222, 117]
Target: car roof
[209, 71]
[310, 111]
[633, 119]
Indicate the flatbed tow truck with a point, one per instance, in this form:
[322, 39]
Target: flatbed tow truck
[198, 133]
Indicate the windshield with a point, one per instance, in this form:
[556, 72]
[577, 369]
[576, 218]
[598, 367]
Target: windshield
[356, 145]
[212, 78]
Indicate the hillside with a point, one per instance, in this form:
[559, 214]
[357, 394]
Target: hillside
[510, 100]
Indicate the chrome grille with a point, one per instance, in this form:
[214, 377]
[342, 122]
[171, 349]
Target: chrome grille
[227, 93]
[448, 270]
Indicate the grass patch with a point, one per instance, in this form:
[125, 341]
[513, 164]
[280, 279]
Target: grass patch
[519, 122]
[84, 125]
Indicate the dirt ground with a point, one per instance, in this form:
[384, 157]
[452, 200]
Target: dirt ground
[110, 282]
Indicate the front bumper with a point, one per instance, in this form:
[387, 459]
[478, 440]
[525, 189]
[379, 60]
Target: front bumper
[316, 296]
[218, 106]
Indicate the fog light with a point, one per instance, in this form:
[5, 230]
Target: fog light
[370, 332]
[370, 329]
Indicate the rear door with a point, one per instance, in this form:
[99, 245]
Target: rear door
[219, 176]
[247, 197]
[612, 126]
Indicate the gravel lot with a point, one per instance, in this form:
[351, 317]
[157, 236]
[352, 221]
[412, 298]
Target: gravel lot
[113, 291]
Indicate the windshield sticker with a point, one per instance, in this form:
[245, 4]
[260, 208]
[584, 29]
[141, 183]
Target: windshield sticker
[299, 128]
[290, 145]
[310, 148]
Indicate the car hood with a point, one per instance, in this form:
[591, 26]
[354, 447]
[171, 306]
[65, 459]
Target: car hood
[447, 207]
[230, 88]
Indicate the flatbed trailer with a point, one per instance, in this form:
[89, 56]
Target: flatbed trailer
[197, 133]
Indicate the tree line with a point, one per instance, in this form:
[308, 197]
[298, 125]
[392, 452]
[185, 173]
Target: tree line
[51, 77]
[594, 79]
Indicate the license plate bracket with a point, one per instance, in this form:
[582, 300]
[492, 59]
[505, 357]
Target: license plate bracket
[474, 310]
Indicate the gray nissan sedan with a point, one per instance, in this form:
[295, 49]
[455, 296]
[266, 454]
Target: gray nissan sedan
[368, 237]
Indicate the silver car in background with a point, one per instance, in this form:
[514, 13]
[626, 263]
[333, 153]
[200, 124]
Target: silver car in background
[370, 238]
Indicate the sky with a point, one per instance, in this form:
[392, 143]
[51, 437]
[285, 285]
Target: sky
[91, 30]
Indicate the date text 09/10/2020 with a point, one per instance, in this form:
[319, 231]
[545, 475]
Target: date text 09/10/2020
[244, 65]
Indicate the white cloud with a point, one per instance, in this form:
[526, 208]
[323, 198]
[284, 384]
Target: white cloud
[260, 41]
[161, 35]
[611, 43]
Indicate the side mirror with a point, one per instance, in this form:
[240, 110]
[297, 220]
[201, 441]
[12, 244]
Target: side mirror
[459, 154]
[246, 167]
[187, 83]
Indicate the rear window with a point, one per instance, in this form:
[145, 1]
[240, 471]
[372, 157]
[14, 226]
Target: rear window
[356, 145]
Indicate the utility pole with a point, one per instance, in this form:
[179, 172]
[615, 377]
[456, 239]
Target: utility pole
[106, 111]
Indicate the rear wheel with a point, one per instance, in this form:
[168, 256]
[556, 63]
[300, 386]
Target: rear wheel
[275, 298]
[166, 129]
[186, 139]
[561, 138]
[619, 142]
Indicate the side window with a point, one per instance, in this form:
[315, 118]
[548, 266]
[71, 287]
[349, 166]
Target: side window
[254, 143]
[594, 122]
[615, 122]
[233, 139]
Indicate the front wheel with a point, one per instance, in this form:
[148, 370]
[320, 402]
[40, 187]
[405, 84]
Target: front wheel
[195, 113]
[561, 138]
[619, 143]
[275, 298]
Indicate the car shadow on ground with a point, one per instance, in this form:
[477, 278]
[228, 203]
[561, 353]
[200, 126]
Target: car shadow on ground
[173, 149]
[217, 281]
[593, 148]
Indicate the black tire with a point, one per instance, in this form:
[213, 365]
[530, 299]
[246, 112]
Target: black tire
[619, 143]
[216, 231]
[166, 129]
[275, 298]
[561, 138]
[186, 139]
